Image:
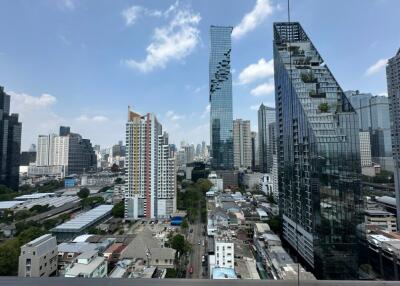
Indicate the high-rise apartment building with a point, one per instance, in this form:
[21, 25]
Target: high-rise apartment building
[365, 149]
[150, 169]
[393, 82]
[318, 157]
[266, 116]
[220, 88]
[373, 116]
[38, 257]
[72, 151]
[241, 143]
[255, 157]
[10, 143]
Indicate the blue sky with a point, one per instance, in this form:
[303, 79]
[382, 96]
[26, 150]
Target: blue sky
[81, 63]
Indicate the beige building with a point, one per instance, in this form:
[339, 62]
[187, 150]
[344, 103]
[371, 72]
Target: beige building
[242, 143]
[383, 219]
[39, 257]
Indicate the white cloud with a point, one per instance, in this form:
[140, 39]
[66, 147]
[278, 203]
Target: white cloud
[263, 89]
[171, 115]
[383, 93]
[251, 20]
[22, 101]
[260, 70]
[175, 41]
[94, 119]
[130, 14]
[376, 67]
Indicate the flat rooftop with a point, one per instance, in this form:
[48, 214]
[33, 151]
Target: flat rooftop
[84, 220]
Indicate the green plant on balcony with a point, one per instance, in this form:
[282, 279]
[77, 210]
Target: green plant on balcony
[323, 107]
[308, 77]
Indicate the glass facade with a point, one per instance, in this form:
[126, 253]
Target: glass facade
[393, 83]
[10, 143]
[220, 87]
[266, 116]
[318, 157]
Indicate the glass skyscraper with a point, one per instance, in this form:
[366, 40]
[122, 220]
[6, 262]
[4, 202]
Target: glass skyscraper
[220, 87]
[266, 116]
[318, 157]
[10, 143]
[393, 83]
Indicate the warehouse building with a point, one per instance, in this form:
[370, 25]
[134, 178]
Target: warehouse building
[81, 223]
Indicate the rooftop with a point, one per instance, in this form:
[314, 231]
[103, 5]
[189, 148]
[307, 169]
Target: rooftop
[83, 220]
[9, 204]
[33, 196]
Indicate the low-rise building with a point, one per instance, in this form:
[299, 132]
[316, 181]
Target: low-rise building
[216, 181]
[38, 257]
[88, 265]
[383, 219]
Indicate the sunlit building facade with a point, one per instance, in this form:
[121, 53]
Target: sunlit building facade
[318, 157]
[220, 88]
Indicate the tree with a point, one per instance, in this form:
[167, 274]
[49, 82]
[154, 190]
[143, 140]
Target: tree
[92, 201]
[171, 273]
[119, 181]
[118, 210]
[275, 223]
[323, 107]
[203, 185]
[178, 243]
[30, 234]
[114, 168]
[83, 193]
[184, 225]
[9, 253]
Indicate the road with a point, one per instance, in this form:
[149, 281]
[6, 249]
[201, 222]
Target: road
[197, 250]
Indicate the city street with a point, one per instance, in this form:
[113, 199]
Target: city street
[197, 250]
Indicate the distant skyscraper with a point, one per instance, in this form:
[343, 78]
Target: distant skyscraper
[318, 157]
[220, 88]
[254, 151]
[198, 150]
[64, 130]
[373, 116]
[241, 143]
[266, 115]
[393, 82]
[150, 169]
[203, 149]
[72, 151]
[10, 143]
[365, 149]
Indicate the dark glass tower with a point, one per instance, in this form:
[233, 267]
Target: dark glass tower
[318, 157]
[221, 118]
[10, 143]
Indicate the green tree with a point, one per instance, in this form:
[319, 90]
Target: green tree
[184, 225]
[119, 181]
[118, 210]
[83, 193]
[30, 234]
[9, 253]
[275, 223]
[203, 185]
[91, 202]
[171, 273]
[178, 243]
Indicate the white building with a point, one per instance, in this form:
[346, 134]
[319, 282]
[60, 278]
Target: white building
[267, 185]
[150, 169]
[252, 180]
[88, 265]
[365, 149]
[38, 257]
[242, 144]
[224, 253]
[275, 177]
[217, 182]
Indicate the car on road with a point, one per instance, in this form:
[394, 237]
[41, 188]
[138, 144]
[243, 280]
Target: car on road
[199, 242]
[191, 230]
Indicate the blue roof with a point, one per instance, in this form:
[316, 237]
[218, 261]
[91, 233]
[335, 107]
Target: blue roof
[224, 273]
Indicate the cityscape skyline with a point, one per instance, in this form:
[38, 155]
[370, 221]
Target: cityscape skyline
[44, 102]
